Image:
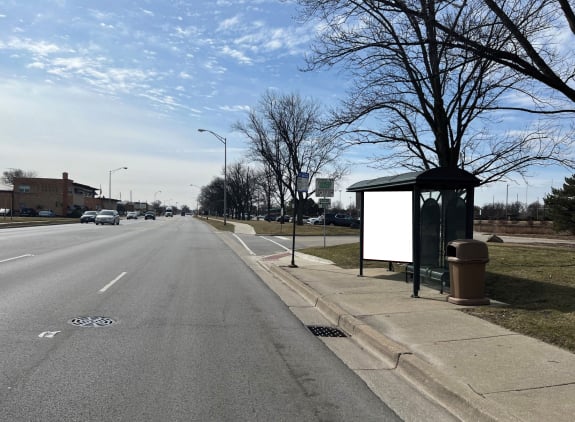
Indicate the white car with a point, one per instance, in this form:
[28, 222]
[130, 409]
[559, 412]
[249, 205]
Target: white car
[132, 215]
[108, 217]
[312, 220]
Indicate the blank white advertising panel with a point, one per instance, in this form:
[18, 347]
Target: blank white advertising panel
[387, 226]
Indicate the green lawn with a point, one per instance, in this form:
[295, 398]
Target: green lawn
[538, 284]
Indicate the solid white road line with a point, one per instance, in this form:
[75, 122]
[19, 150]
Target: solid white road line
[276, 243]
[16, 257]
[244, 245]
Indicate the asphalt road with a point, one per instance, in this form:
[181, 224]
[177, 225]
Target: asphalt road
[157, 321]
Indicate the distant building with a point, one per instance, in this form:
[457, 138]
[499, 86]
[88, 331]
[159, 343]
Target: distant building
[63, 196]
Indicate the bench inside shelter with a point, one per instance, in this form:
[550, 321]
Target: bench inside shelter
[410, 218]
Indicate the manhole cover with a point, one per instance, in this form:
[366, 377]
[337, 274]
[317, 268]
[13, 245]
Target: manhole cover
[91, 321]
[325, 331]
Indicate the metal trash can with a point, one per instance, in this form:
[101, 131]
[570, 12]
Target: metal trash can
[467, 259]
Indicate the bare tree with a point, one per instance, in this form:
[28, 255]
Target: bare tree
[211, 197]
[285, 135]
[432, 98]
[267, 188]
[540, 37]
[9, 175]
[241, 187]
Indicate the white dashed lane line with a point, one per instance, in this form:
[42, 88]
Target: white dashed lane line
[111, 283]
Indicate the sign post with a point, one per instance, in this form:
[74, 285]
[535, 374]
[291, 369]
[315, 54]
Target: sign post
[324, 189]
[302, 185]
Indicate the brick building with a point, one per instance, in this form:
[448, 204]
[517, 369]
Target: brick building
[62, 196]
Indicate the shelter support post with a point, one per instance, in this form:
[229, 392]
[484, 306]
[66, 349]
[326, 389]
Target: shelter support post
[362, 219]
[416, 241]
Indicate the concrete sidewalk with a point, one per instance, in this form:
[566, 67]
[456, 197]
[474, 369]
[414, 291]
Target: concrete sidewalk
[477, 370]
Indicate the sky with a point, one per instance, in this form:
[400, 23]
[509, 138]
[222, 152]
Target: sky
[90, 87]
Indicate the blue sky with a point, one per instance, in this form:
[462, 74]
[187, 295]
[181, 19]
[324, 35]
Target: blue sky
[92, 86]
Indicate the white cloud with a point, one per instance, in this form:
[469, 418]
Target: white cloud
[40, 48]
[229, 23]
[235, 108]
[236, 54]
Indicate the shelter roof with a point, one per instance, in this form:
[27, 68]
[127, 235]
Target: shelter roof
[436, 178]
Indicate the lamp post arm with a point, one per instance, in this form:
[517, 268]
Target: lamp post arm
[223, 141]
[110, 180]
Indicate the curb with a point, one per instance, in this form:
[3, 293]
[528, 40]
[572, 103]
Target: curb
[457, 398]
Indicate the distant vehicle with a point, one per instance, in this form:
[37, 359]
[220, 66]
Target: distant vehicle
[108, 217]
[46, 213]
[150, 215]
[28, 212]
[343, 220]
[183, 213]
[88, 217]
[4, 211]
[169, 212]
[271, 217]
[283, 219]
[312, 220]
[132, 215]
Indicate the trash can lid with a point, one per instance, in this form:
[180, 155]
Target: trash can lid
[468, 249]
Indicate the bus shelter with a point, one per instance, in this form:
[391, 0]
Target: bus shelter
[410, 218]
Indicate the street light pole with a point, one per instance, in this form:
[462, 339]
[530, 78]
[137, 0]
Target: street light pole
[223, 141]
[110, 180]
[197, 199]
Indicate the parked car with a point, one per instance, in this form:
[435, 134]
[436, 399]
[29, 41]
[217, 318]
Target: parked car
[333, 219]
[46, 213]
[271, 217]
[108, 217]
[88, 217]
[28, 212]
[312, 220]
[283, 219]
[150, 215]
[132, 215]
[4, 211]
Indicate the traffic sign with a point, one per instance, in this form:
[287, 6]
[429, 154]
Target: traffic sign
[324, 203]
[324, 188]
[302, 182]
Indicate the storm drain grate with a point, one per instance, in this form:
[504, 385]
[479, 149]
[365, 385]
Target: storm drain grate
[325, 331]
[91, 321]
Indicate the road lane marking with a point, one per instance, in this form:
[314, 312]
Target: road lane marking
[111, 283]
[16, 257]
[244, 245]
[276, 243]
[48, 334]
